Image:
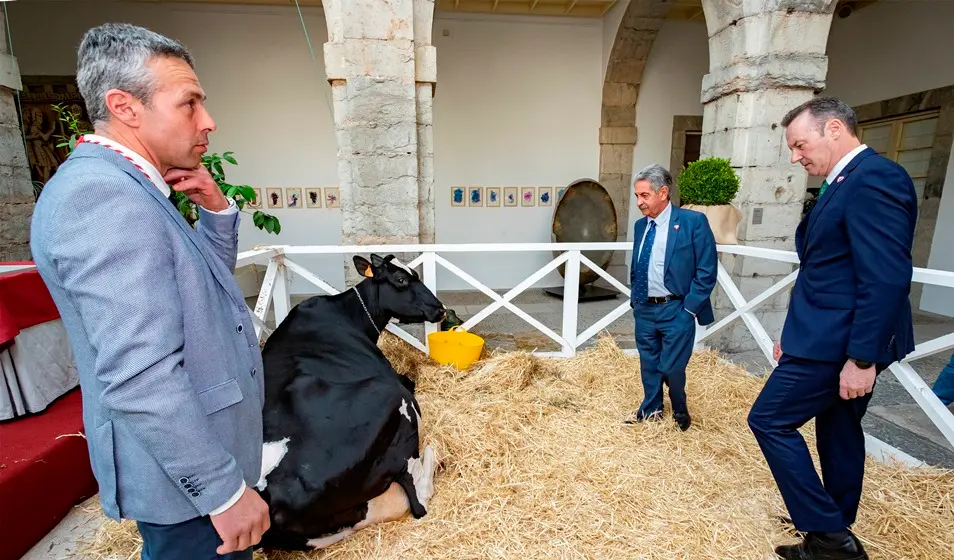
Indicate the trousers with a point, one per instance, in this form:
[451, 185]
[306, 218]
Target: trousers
[195, 539]
[797, 391]
[665, 336]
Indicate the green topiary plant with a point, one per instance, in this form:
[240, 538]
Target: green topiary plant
[708, 182]
[708, 186]
[241, 194]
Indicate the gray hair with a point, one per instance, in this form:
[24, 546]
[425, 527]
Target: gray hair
[114, 56]
[822, 109]
[657, 175]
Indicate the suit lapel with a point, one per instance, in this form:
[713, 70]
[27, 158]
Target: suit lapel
[92, 150]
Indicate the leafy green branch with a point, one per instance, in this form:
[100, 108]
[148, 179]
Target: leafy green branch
[241, 194]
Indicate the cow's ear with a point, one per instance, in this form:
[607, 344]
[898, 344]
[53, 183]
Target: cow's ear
[377, 261]
[363, 266]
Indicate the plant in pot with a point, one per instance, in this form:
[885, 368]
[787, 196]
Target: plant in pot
[708, 186]
[241, 194]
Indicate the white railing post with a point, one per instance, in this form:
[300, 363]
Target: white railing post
[265, 295]
[571, 300]
[281, 295]
[429, 263]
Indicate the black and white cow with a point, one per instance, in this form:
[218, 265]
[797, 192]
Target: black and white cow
[340, 425]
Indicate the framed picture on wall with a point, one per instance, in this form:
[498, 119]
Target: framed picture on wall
[475, 196]
[458, 197]
[511, 196]
[545, 196]
[313, 197]
[493, 196]
[528, 196]
[293, 198]
[274, 197]
[257, 202]
[332, 198]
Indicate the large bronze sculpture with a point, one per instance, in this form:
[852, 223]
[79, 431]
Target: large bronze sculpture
[585, 213]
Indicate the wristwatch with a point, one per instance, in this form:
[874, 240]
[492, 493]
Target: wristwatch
[861, 363]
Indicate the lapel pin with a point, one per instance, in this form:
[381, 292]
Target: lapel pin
[840, 179]
[675, 226]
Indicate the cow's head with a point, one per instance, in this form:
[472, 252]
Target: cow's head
[399, 290]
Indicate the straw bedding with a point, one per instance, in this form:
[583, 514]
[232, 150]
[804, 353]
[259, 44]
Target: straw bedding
[535, 463]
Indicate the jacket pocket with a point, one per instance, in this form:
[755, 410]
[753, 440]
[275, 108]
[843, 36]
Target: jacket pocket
[832, 301]
[219, 396]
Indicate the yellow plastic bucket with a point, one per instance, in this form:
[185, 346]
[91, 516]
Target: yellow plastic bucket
[455, 347]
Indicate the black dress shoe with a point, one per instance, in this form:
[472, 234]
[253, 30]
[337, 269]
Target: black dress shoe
[824, 546]
[683, 420]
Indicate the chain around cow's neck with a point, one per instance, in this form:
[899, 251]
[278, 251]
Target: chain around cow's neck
[366, 312]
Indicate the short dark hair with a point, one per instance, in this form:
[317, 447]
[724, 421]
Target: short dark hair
[824, 108]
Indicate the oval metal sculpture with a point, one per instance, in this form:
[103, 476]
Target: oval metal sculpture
[585, 213]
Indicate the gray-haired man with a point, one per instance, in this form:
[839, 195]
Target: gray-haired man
[672, 275]
[169, 365]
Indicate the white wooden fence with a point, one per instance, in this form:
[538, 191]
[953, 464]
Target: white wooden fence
[275, 293]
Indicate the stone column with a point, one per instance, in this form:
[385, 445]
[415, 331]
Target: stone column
[765, 59]
[425, 69]
[371, 63]
[16, 190]
[624, 71]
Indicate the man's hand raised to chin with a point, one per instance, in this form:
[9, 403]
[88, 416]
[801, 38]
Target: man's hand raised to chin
[243, 524]
[199, 186]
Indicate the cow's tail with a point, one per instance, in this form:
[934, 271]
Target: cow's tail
[406, 482]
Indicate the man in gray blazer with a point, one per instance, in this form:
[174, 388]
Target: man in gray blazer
[169, 364]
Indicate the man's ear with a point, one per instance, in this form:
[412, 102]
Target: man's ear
[363, 266]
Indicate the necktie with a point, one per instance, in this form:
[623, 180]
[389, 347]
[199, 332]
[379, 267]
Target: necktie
[824, 187]
[642, 264]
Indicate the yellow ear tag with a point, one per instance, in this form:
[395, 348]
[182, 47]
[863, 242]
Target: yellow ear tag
[368, 273]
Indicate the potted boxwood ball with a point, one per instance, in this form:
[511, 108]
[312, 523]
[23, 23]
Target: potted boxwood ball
[708, 185]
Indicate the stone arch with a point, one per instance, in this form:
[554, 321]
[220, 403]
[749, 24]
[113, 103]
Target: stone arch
[624, 71]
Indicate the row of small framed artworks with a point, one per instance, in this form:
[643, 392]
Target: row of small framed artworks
[510, 197]
[297, 197]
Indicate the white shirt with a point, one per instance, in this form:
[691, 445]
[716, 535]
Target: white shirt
[148, 169]
[657, 259]
[835, 171]
[156, 178]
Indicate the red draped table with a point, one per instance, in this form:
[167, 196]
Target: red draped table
[36, 361]
[44, 461]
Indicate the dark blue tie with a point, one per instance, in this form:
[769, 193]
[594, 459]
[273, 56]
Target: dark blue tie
[642, 264]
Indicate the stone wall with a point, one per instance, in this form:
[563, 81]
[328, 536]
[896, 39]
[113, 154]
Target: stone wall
[765, 59]
[627, 60]
[16, 190]
[381, 66]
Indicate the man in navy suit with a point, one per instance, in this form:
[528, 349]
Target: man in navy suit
[848, 319]
[672, 275]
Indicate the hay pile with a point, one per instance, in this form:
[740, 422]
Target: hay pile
[537, 464]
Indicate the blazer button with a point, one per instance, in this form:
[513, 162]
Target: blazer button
[239, 329]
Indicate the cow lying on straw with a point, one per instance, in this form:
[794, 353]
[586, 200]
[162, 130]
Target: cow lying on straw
[340, 425]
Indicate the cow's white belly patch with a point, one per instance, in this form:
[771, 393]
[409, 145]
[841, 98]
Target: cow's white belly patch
[272, 454]
[403, 410]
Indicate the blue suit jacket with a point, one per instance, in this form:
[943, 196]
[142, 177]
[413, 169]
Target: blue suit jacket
[691, 264]
[169, 365]
[851, 295]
